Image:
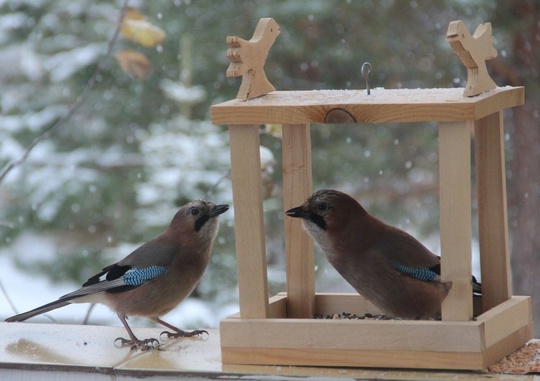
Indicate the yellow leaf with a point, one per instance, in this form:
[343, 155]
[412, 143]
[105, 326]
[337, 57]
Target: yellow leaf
[136, 28]
[133, 14]
[133, 63]
[274, 130]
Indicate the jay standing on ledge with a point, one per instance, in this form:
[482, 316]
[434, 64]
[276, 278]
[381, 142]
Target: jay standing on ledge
[384, 264]
[154, 278]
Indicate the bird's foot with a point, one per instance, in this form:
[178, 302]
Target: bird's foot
[144, 345]
[180, 333]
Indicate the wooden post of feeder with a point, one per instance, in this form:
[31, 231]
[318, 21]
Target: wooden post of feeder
[297, 186]
[266, 331]
[248, 59]
[492, 210]
[249, 221]
[474, 50]
[455, 217]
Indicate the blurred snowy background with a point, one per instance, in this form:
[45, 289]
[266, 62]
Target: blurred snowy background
[142, 144]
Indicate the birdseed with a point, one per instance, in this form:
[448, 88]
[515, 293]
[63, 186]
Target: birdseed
[366, 316]
[350, 316]
[524, 360]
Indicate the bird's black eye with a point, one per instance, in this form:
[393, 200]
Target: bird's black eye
[322, 207]
[194, 212]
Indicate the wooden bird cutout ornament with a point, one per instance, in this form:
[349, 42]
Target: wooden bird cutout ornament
[473, 51]
[248, 58]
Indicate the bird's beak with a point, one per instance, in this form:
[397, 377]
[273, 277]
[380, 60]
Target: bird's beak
[217, 210]
[297, 212]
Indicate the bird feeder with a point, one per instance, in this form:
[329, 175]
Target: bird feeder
[280, 330]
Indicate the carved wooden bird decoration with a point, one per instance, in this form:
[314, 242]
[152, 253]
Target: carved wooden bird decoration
[248, 58]
[473, 51]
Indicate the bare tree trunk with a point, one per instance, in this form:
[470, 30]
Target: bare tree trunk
[524, 186]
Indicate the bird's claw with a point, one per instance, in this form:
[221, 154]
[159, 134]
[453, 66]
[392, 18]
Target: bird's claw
[175, 335]
[145, 344]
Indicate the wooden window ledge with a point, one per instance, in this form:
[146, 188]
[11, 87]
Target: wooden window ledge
[61, 351]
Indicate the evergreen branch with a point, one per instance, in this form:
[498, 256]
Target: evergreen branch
[75, 106]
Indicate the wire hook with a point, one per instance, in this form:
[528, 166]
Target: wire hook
[366, 72]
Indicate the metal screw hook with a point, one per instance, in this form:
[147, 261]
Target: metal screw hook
[366, 72]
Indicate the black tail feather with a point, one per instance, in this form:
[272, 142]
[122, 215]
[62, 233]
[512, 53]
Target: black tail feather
[476, 286]
[40, 310]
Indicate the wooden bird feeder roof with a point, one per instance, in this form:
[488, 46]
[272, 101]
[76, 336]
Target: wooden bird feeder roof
[355, 106]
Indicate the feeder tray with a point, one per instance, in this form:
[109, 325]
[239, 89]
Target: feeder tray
[280, 330]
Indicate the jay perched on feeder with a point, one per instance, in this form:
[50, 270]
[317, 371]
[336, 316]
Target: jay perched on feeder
[154, 278]
[384, 264]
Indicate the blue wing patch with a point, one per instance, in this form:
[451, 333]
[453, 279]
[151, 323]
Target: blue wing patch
[137, 277]
[421, 273]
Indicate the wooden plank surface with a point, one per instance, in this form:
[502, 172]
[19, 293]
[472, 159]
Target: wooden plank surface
[297, 187]
[277, 307]
[506, 318]
[492, 210]
[399, 335]
[508, 344]
[336, 303]
[383, 105]
[249, 221]
[369, 343]
[46, 352]
[354, 358]
[455, 218]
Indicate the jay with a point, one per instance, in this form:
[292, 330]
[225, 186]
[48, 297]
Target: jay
[384, 264]
[155, 277]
